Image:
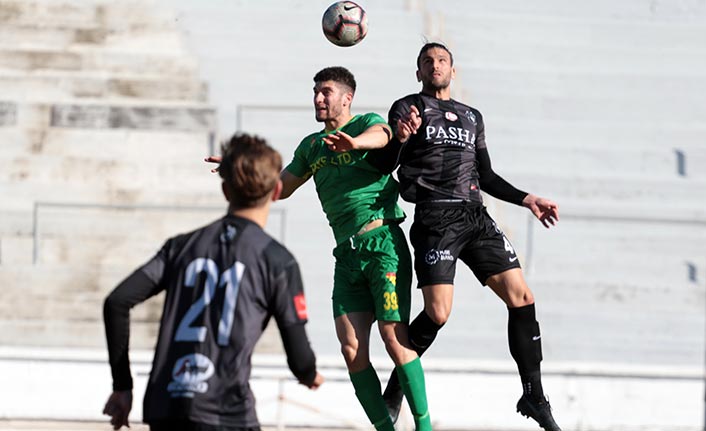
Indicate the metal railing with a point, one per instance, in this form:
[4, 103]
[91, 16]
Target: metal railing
[36, 231]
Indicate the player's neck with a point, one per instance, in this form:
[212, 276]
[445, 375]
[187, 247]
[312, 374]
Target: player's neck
[338, 122]
[255, 215]
[439, 93]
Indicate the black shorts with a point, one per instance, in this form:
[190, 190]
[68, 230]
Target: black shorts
[188, 425]
[443, 232]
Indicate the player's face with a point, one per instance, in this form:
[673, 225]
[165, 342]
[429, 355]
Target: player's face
[435, 69]
[331, 100]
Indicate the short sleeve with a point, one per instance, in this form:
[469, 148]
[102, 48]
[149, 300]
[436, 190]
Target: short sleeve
[300, 166]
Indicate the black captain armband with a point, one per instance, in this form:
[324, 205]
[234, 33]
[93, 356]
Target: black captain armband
[386, 159]
[388, 132]
[494, 184]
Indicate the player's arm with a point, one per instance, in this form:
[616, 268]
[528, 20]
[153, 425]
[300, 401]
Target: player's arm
[214, 159]
[135, 289]
[544, 209]
[374, 137]
[494, 184]
[289, 310]
[290, 183]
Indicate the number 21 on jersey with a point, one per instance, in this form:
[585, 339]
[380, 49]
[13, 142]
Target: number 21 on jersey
[229, 280]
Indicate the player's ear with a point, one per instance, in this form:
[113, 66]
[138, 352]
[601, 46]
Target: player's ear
[277, 191]
[419, 77]
[226, 191]
[348, 99]
[453, 72]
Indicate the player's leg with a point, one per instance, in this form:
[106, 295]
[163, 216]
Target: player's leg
[408, 371]
[353, 310]
[353, 332]
[495, 263]
[388, 268]
[435, 265]
[525, 343]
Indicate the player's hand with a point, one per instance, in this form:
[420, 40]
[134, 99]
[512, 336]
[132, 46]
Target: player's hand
[408, 125]
[318, 381]
[213, 159]
[340, 142]
[545, 210]
[118, 408]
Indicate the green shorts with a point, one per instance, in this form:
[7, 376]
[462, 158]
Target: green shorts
[374, 273]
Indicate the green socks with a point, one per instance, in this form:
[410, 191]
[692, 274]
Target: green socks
[411, 378]
[369, 393]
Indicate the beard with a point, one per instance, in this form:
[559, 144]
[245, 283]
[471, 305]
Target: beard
[436, 84]
[328, 113]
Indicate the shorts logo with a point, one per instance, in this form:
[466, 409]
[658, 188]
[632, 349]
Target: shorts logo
[434, 255]
[392, 276]
[189, 375]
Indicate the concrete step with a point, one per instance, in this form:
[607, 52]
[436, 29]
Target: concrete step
[33, 38]
[631, 11]
[46, 331]
[512, 156]
[98, 60]
[589, 31]
[566, 107]
[33, 119]
[102, 58]
[581, 134]
[42, 87]
[626, 190]
[113, 16]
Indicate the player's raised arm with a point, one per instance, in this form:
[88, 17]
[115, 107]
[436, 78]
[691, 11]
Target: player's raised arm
[408, 124]
[290, 183]
[374, 137]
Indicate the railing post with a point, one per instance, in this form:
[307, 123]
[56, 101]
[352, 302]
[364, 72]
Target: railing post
[35, 233]
[280, 405]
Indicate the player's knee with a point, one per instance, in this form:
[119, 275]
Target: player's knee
[520, 297]
[352, 355]
[439, 314]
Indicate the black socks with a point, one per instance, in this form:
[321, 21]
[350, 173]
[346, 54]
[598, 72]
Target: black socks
[422, 332]
[526, 348]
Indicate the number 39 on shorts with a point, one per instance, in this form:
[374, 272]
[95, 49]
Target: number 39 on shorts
[390, 301]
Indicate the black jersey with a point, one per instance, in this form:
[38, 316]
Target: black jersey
[439, 161]
[223, 282]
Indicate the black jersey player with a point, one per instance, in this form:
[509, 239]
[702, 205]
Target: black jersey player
[223, 283]
[443, 166]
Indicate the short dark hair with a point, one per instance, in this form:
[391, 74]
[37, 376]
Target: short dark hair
[429, 45]
[337, 74]
[250, 168]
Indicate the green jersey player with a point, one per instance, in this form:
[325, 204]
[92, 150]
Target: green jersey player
[373, 273]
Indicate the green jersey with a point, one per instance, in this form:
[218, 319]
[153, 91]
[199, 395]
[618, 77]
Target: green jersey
[352, 191]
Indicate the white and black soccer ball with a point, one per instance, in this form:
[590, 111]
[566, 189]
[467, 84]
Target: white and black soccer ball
[345, 23]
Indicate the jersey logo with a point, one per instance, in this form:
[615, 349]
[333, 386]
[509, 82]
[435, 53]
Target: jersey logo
[471, 117]
[451, 116]
[392, 276]
[229, 234]
[300, 306]
[189, 375]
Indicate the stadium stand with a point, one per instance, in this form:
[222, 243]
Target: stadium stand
[107, 109]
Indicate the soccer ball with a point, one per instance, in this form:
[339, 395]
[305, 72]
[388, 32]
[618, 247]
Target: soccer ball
[345, 23]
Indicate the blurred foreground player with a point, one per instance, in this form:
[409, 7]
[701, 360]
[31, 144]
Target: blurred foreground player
[223, 282]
